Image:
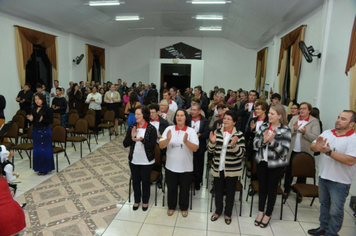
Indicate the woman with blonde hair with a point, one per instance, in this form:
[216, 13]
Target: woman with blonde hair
[272, 141]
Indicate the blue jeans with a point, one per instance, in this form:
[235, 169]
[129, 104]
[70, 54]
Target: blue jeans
[332, 197]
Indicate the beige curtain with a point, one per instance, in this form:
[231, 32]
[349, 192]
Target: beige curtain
[282, 72]
[261, 65]
[258, 74]
[97, 51]
[24, 40]
[21, 68]
[351, 66]
[263, 71]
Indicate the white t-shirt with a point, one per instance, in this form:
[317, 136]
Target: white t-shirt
[9, 174]
[179, 157]
[297, 145]
[227, 136]
[331, 169]
[250, 106]
[155, 123]
[196, 124]
[139, 154]
[173, 105]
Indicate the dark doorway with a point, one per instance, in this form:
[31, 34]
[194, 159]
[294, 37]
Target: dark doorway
[96, 70]
[39, 69]
[176, 76]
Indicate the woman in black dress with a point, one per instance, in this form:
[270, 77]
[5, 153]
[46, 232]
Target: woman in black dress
[42, 116]
[75, 98]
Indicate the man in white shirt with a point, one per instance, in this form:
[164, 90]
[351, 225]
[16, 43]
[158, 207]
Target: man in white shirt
[336, 170]
[172, 104]
[53, 90]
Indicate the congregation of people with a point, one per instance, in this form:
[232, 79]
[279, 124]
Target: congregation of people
[231, 130]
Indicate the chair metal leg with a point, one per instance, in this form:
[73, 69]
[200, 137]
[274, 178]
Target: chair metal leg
[81, 152]
[312, 201]
[57, 162]
[156, 193]
[251, 205]
[281, 215]
[211, 202]
[130, 189]
[191, 195]
[296, 208]
[88, 145]
[65, 154]
[241, 200]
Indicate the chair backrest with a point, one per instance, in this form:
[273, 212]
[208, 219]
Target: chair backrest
[72, 119]
[59, 134]
[13, 132]
[55, 122]
[157, 155]
[91, 120]
[72, 111]
[109, 116]
[81, 126]
[303, 165]
[121, 113]
[90, 112]
[20, 120]
[29, 133]
[57, 115]
[21, 112]
[102, 111]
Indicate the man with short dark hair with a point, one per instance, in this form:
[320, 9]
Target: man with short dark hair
[336, 170]
[247, 107]
[24, 98]
[175, 97]
[172, 104]
[40, 89]
[201, 126]
[198, 92]
[275, 99]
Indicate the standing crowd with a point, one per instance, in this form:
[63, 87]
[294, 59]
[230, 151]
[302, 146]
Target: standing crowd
[233, 128]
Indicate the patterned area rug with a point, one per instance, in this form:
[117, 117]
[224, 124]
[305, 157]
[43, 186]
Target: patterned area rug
[82, 199]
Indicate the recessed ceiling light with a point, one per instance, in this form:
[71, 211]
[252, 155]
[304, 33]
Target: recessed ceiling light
[207, 2]
[208, 17]
[142, 28]
[105, 3]
[124, 18]
[217, 28]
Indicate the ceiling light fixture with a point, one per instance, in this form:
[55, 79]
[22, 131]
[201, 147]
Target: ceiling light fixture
[208, 17]
[124, 18]
[208, 2]
[142, 28]
[210, 28]
[105, 3]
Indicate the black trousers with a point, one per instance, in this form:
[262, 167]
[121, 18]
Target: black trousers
[97, 118]
[288, 175]
[268, 179]
[141, 173]
[225, 185]
[198, 163]
[184, 180]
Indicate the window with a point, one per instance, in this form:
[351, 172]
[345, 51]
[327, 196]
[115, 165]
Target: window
[39, 69]
[182, 51]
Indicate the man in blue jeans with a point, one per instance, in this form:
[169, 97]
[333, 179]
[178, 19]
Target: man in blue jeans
[336, 169]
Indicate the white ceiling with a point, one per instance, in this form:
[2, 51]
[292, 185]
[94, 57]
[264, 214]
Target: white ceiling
[249, 23]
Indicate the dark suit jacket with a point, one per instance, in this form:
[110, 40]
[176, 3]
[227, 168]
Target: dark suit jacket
[204, 135]
[163, 124]
[250, 134]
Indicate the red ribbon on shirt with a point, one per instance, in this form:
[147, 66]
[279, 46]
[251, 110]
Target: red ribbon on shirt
[170, 101]
[195, 120]
[155, 120]
[144, 126]
[260, 119]
[183, 129]
[349, 133]
[254, 113]
[270, 127]
[229, 131]
[307, 119]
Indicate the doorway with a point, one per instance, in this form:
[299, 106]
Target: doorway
[176, 76]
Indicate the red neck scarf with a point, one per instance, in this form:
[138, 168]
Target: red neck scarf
[183, 129]
[270, 127]
[170, 101]
[260, 119]
[144, 126]
[155, 120]
[306, 119]
[349, 133]
[220, 117]
[254, 113]
[229, 131]
[195, 120]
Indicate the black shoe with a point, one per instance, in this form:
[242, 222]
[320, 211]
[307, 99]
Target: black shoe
[316, 232]
[144, 208]
[135, 207]
[251, 192]
[197, 186]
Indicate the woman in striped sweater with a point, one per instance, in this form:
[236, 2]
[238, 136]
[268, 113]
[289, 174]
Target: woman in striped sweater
[272, 141]
[227, 145]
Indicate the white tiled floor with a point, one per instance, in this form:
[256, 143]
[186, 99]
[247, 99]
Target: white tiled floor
[155, 222]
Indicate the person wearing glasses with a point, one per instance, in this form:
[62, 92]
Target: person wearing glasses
[294, 111]
[305, 129]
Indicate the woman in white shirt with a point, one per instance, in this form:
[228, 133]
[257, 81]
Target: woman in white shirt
[94, 100]
[141, 137]
[181, 141]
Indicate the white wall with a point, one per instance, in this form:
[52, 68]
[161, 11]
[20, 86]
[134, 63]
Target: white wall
[226, 64]
[69, 46]
[323, 82]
